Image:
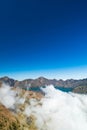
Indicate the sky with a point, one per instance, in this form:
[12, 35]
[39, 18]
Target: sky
[43, 38]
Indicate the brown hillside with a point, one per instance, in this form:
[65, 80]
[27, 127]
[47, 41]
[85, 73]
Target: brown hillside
[8, 121]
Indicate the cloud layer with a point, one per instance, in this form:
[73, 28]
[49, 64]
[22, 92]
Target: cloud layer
[57, 110]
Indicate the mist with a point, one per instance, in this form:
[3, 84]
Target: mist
[57, 110]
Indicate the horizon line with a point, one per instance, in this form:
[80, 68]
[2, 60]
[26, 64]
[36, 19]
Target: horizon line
[5, 76]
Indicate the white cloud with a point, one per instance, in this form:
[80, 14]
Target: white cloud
[56, 111]
[60, 111]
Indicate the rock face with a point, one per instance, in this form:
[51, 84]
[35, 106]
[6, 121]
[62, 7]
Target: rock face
[7, 81]
[80, 89]
[41, 81]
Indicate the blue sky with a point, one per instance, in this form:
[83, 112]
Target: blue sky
[43, 38]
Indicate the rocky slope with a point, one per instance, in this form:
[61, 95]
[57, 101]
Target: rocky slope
[15, 121]
[14, 118]
[80, 89]
[7, 120]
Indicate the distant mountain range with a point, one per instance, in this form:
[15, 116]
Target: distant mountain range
[79, 86]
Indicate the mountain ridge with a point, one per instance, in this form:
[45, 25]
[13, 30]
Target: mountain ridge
[42, 81]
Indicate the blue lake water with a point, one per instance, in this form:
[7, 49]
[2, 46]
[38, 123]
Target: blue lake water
[37, 89]
[64, 89]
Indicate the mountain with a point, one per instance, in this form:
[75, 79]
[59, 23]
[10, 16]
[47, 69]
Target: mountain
[7, 81]
[41, 81]
[80, 89]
